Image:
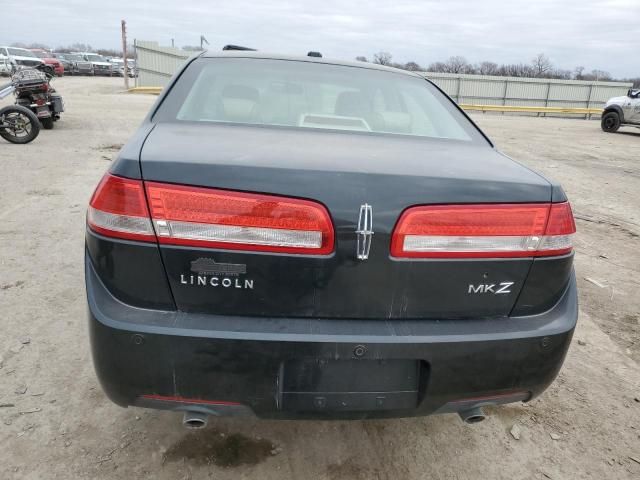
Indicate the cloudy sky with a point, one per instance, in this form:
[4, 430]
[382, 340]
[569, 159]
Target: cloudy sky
[602, 34]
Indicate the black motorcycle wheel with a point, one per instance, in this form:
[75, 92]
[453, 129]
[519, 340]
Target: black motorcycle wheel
[47, 123]
[18, 124]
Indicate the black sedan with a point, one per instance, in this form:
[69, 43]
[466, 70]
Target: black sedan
[293, 237]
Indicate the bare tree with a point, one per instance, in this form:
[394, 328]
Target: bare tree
[487, 68]
[453, 65]
[436, 67]
[541, 65]
[577, 73]
[516, 70]
[560, 74]
[598, 75]
[382, 58]
[80, 47]
[108, 52]
[457, 65]
[361, 59]
[40, 46]
[412, 66]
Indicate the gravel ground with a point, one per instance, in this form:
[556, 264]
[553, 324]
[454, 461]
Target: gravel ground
[55, 421]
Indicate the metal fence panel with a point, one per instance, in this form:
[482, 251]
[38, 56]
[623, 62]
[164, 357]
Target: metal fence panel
[157, 64]
[490, 90]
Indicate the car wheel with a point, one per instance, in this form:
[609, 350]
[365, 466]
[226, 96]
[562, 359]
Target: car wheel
[21, 124]
[47, 123]
[610, 122]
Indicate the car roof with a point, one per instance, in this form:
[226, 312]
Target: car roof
[299, 58]
[15, 48]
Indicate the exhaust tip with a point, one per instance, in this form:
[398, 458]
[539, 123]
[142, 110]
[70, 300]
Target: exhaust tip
[194, 420]
[473, 415]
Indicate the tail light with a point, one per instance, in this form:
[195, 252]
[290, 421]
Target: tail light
[239, 221]
[118, 208]
[484, 231]
[205, 217]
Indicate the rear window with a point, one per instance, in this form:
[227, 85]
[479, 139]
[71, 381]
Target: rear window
[312, 95]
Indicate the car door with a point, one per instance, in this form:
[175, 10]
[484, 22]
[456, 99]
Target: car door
[633, 108]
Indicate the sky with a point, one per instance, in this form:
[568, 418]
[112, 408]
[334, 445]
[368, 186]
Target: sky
[596, 34]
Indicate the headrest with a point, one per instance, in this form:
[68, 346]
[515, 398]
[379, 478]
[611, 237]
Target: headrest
[241, 92]
[351, 104]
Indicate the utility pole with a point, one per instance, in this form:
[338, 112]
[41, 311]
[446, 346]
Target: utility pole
[124, 54]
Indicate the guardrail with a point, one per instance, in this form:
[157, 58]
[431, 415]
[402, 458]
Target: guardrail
[524, 109]
[587, 112]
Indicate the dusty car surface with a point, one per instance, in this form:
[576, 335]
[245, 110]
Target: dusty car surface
[296, 237]
[620, 111]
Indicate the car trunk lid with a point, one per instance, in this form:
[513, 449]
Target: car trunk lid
[343, 172]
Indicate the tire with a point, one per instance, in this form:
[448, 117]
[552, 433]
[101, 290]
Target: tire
[47, 123]
[610, 122]
[28, 132]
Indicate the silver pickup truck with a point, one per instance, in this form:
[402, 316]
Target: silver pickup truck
[619, 111]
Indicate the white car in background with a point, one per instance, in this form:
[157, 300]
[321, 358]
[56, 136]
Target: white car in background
[117, 65]
[620, 111]
[20, 57]
[100, 64]
[5, 66]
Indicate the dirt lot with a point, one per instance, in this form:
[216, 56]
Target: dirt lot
[56, 423]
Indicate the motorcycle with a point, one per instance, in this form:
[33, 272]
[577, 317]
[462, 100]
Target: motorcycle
[33, 90]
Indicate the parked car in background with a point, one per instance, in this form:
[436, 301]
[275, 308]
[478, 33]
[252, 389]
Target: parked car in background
[117, 66]
[98, 63]
[5, 66]
[20, 57]
[133, 67]
[620, 111]
[49, 59]
[66, 64]
[79, 66]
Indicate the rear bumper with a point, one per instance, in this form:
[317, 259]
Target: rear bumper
[237, 365]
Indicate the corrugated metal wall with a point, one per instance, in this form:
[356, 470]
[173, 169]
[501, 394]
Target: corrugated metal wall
[157, 64]
[534, 92]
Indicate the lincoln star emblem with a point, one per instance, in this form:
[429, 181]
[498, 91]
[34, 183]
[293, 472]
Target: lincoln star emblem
[364, 231]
